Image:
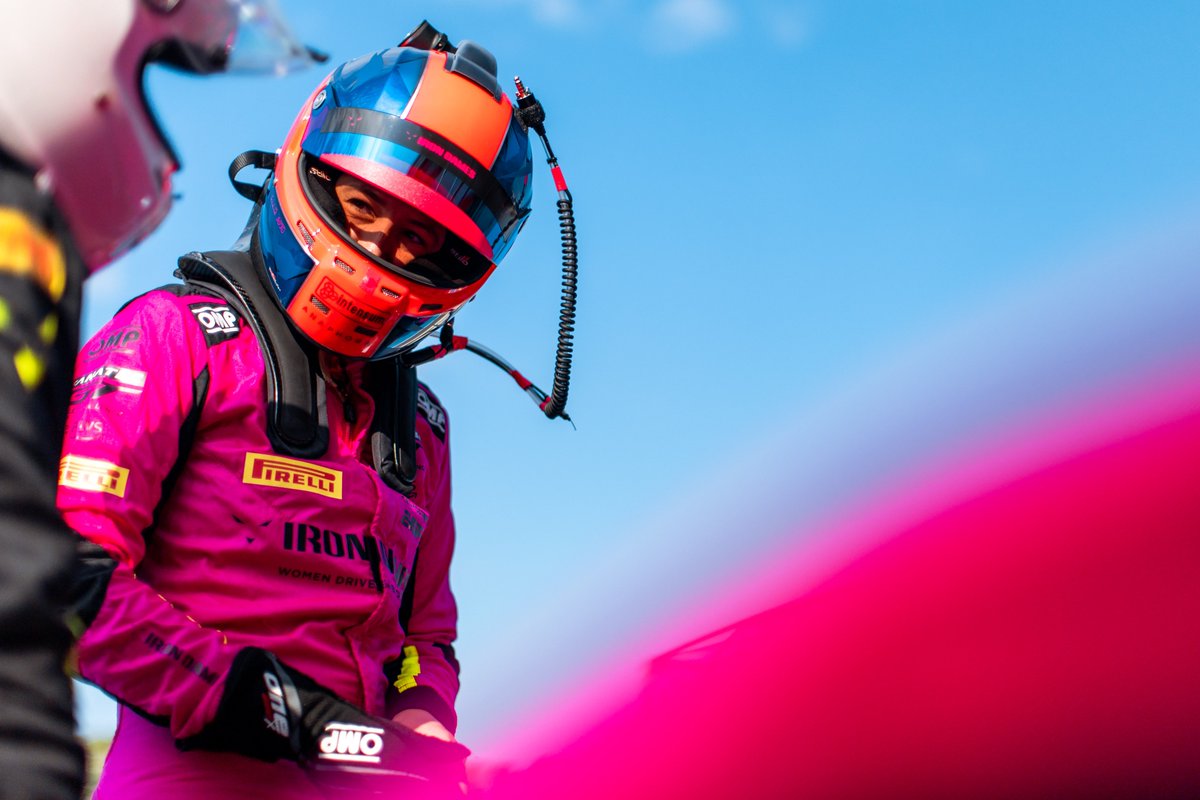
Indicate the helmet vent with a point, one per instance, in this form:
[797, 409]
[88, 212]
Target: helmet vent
[317, 304]
[386, 292]
[308, 239]
[343, 266]
[475, 63]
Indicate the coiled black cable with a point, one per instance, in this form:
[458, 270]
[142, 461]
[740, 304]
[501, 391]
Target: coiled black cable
[557, 402]
[533, 117]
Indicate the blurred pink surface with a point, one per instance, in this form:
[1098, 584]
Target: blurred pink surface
[1040, 637]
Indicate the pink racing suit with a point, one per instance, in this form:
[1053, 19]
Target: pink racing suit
[218, 543]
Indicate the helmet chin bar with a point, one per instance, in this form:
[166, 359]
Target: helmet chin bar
[397, 343]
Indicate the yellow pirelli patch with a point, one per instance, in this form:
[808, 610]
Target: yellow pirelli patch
[92, 475]
[288, 473]
[25, 249]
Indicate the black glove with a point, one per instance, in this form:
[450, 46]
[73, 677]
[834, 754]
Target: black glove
[384, 757]
[270, 711]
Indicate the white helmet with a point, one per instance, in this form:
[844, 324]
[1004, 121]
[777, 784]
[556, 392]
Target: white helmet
[73, 107]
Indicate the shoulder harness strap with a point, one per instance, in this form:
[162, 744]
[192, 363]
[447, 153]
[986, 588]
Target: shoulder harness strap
[297, 424]
[394, 429]
[296, 421]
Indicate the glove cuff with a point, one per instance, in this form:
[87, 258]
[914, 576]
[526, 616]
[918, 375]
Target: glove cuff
[426, 699]
[259, 713]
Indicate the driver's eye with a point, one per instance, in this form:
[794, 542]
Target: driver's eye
[359, 210]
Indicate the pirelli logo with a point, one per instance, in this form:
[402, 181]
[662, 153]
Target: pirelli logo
[92, 475]
[288, 473]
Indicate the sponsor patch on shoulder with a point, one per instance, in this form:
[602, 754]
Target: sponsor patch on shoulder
[218, 322]
[433, 413]
[107, 380]
[122, 340]
[92, 475]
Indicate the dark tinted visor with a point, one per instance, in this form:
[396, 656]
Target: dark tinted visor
[485, 196]
[453, 265]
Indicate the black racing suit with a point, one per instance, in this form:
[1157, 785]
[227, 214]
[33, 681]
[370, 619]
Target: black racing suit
[41, 276]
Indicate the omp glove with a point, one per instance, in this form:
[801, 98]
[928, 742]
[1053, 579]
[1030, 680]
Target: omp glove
[270, 711]
[261, 712]
[380, 754]
[386, 760]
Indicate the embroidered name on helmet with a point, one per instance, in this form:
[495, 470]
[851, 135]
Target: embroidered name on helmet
[218, 322]
[288, 473]
[92, 475]
[356, 744]
[432, 412]
[454, 160]
[276, 717]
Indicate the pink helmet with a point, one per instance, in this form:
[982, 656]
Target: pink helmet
[72, 104]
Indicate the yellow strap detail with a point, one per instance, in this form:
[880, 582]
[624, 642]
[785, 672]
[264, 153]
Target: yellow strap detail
[48, 329]
[30, 368]
[25, 249]
[410, 668]
[5, 315]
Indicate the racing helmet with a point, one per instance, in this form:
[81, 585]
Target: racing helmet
[432, 139]
[73, 105]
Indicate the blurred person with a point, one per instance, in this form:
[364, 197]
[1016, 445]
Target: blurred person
[85, 173]
[264, 485]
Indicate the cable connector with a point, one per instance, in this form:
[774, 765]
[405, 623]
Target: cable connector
[529, 110]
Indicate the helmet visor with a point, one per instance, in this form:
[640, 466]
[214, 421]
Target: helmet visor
[244, 36]
[429, 171]
[433, 255]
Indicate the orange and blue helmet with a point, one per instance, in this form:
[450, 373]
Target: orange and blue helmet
[429, 129]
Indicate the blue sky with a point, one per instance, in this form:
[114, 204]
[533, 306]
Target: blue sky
[811, 233]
